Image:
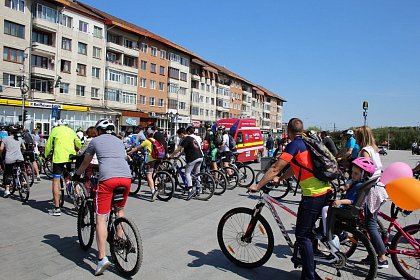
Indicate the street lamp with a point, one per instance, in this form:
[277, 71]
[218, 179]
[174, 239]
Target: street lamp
[23, 85]
[365, 107]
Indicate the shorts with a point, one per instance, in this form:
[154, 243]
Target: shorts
[150, 166]
[29, 155]
[58, 169]
[213, 154]
[226, 155]
[105, 192]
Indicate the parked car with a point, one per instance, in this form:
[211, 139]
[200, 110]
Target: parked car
[382, 150]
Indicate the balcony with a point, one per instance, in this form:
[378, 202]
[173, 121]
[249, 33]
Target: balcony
[44, 72]
[195, 77]
[122, 49]
[129, 69]
[247, 93]
[44, 49]
[44, 24]
[222, 109]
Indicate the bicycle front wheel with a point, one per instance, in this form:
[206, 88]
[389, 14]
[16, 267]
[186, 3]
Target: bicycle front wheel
[126, 247]
[232, 177]
[205, 186]
[219, 180]
[249, 253]
[24, 189]
[164, 185]
[29, 170]
[85, 225]
[246, 176]
[48, 168]
[408, 262]
[277, 190]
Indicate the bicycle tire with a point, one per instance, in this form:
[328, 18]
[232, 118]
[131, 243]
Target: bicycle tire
[228, 245]
[232, 177]
[25, 188]
[164, 185]
[277, 191]
[30, 172]
[39, 164]
[12, 187]
[135, 184]
[220, 181]
[48, 168]
[205, 185]
[80, 195]
[246, 176]
[126, 246]
[61, 192]
[402, 262]
[86, 224]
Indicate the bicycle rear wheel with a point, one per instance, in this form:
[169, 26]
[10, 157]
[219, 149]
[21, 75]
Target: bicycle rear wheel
[232, 177]
[164, 185]
[277, 190]
[205, 186]
[25, 188]
[250, 253]
[85, 225]
[29, 170]
[126, 246]
[246, 176]
[219, 180]
[48, 168]
[408, 263]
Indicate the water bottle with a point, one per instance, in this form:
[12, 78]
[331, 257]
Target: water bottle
[69, 186]
[334, 244]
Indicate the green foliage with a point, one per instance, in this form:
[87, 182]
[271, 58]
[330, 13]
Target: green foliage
[400, 138]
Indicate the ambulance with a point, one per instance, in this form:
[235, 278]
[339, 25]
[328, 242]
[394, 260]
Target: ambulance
[248, 137]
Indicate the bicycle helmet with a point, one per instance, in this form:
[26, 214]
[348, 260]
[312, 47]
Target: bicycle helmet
[349, 132]
[222, 127]
[105, 125]
[12, 129]
[207, 125]
[313, 134]
[365, 164]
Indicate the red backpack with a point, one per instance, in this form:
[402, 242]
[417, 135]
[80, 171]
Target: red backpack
[158, 151]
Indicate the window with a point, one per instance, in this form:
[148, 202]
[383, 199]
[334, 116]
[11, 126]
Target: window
[142, 99]
[129, 98]
[96, 72]
[114, 76]
[195, 97]
[39, 61]
[162, 70]
[97, 52]
[18, 5]
[66, 44]
[66, 21]
[201, 112]
[131, 80]
[161, 86]
[144, 47]
[80, 90]
[83, 26]
[161, 102]
[194, 111]
[82, 48]
[207, 100]
[143, 82]
[97, 32]
[207, 112]
[182, 105]
[46, 13]
[41, 85]
[173, 88]
[11, 80]
[111, 57]
[182, 90]
[208, 88]
[174, 57]
[14, 29]
[65, 66]
[152, 84]
[130, 61]
[113, 38]
[202, 86]
[12, 55]
[184, 61]
[151, 101]
[183, 76]
[153, 50]
[173, 104]
[152, 67]
[112, 95]
[143, 65]
[162, 54]
[94, 93]
[173, 73]
[64, 88]
[41, 37]
[81, 69]
[130, 44]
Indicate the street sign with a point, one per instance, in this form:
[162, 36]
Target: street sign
[54, 112]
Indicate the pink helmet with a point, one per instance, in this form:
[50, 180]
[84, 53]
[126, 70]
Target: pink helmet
[366, 164]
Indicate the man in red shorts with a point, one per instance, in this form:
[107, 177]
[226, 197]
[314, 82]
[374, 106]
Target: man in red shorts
[113, 172]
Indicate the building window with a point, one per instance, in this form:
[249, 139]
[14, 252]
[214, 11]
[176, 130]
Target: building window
[151, 101]
[201, 112]
[64, 88]
[41, 85]
[161, 86]
[96, 72]
[162, 70]
[81, 69]
[174, 57]
[183, 61]
[18, 5]
[130, 61]
[152, 68]
[161, 102]
[14, 29]
[153, 51]
[129, 98]
[144, 47]
[83, 26]
[66, 44]
[182, 105]
[66, 21]
[142, 82]
[39, 61]
[183, 76]
[11, 80]
[80, 90]
[65, 66]
[173, 73]
[94, 93]
[194, 111]
[152, 84]
[97, 32]
[142, 99]
[12, 55]
[41, 37]
[173, 104]
[46, 13]
[114, 76]
[207, 88]
[131, 80]
[112, 57]
[163, 54]
[82, 48]
[97, 52]
[173, 88]
[143, 65]
[202, 86]
[130, 44]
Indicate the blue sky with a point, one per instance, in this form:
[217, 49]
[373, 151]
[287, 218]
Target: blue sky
[324, 57]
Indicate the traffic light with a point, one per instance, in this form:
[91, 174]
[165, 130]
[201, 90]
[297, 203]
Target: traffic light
[26, 116]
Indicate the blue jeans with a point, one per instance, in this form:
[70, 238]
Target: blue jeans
[309, 210]
[371, 223]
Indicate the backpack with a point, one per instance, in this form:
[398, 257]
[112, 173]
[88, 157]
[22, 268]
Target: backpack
[217, 138]
[158, 151]
[232, 143]
[29, 142]
[325, 167]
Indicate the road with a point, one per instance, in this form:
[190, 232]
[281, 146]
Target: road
[179, 238]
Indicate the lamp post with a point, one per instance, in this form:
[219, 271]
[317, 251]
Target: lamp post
[365, 107]
[23, 85]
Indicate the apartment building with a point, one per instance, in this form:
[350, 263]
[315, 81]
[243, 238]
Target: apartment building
[235, 110]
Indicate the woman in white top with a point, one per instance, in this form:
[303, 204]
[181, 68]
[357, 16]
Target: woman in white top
[377, 195]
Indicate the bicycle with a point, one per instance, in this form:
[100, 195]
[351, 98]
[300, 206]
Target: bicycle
[230, 172]
[219, 177]
[76, 191]
[246, 239]
[123, 235]
[246, 174]
[20, 182]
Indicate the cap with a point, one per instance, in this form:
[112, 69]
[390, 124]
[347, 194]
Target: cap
[149, 132]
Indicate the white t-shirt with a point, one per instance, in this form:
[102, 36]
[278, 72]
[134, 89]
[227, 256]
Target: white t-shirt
[225, 148]
[374, 156]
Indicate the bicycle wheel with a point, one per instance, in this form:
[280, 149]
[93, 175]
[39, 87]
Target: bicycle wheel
[205, 185]
[360, 262]
[232, 177]
[407, 263]
[61, 192]
[80, 195]
[29, 170]
[25, 188]
[164, 185]
[277, 190]
[246, 176]
[245, 253]
[48, 168]
[85, 225]
[126, 247]
[135, 183]
[219, 180]
[165, 165]
[12, 187]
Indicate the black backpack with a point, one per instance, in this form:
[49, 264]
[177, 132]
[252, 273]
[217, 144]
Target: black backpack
[217, 139]
[232, 143]
[29, 142]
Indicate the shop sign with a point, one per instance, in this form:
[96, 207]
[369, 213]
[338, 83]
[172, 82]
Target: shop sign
[183, 119]
[131, 121]
[45, 105]
[196, 123]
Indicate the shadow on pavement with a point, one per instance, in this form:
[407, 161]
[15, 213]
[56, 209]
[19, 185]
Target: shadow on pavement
[46, 205]
[216, 259]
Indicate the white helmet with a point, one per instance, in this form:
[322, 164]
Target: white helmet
[349, 132]
[105, 125]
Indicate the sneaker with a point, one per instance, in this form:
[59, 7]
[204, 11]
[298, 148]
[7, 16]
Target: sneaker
[6, 193]
[383, 264]
[365, 260]
[102, 266]
[154, 195]
[38, 179]
[191, 194]
[55, 212]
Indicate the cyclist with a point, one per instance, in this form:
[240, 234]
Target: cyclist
[315, 193]
[12, 145]
[113, 172]
[139, 137]
[350, 150]
[193, 157]
[91, 132]
[269, 144]
[224, 148]
[63, 140]
[160, 137]
[212, 149]
[30, 151]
